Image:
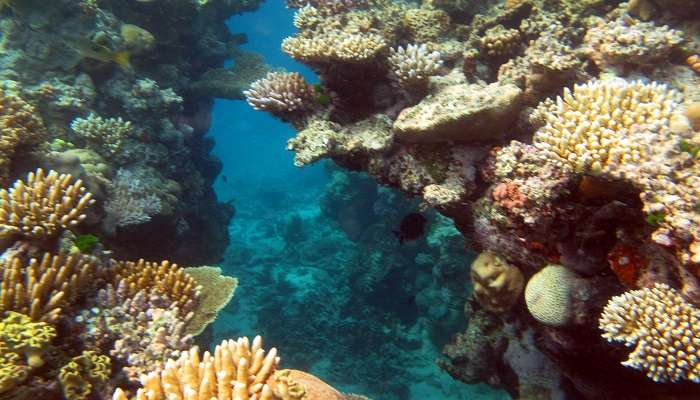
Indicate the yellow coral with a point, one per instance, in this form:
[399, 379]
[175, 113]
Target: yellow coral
[217, 291]
[237, 370]
[42, 205]
[497, 284]
[291, 384]
[20, 125]
[663, 328]
[162, 279]
[12, 371]
[426, 24]
[27, 338]
[588, 129]
[42, 288]
[83, 372]
[335, 45]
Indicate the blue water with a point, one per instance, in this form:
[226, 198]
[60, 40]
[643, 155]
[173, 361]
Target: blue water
[368, 316]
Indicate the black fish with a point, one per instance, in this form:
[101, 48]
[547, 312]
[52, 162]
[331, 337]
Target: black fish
[412, 227]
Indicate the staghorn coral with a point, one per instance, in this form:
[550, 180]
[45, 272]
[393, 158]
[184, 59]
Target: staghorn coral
[548, 295]
[141, 330]
[217, 291]
[238, 369]
[414, 64]
[497, 284]
[104, 135]
[663, 328]
[44, 288]
[162, 279]
[20, 127]
[628, 41]
[43, 205]
[280, 93]
[82, 373]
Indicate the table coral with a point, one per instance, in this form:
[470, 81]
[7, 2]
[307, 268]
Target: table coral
[217, 291]
[663, 328]
[42, 205]
[44, 288]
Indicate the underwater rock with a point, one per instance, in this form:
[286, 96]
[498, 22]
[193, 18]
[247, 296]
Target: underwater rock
[461, 113]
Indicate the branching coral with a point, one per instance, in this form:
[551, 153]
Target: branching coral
[335, 46]
[280, 93]
[629, 41]
[142, 330]
[44, 288]
[414, 64]
[162, 279]
[590, 128]
[104, 135]
[132, 200]
[500, 42]
[20, 125]
[238, 369]
[663, 328]
[43, 205]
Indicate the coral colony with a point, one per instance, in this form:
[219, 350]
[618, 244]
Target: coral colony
[561, 137]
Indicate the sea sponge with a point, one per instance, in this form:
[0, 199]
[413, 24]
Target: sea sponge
[79, 376]
[43, 205]
[414, 64]
[44, 287]
[236, 370]
[21, 127]
[589, 129]
[548, 295]
[663, 328]
[497, 284]
[217, 290]
[164, 279]
[280, 93]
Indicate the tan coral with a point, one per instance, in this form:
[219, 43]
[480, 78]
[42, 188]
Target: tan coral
[44, 288]
[43, 205]
[163, 279]
[291, 384]
[280, 93]
[500, 42]
[335, 46]
[217, 291]
[497, 284]
[20, 126]
[238, 370]
[663, 328]
[426, 24]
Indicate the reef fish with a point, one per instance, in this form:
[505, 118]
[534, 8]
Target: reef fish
[100, 52]
[412, 227]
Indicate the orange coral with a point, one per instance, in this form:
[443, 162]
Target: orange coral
[508, 195]
[627, 263]
[161, 279]
[20, 125]
[694, 62]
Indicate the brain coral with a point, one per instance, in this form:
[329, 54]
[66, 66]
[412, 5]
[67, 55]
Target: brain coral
[547, 295]
[497, 284]
[663, 327]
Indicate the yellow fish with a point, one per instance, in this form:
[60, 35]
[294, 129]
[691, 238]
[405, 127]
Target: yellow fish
[100, 52]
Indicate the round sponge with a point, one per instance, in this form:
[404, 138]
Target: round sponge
[547, 295]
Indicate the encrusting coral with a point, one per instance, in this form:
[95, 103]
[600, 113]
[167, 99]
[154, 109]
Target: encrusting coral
[43, 288]
[497, 284]
[42, 205]
[663, 328]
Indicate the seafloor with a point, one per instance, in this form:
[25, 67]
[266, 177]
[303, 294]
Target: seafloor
[499, 199]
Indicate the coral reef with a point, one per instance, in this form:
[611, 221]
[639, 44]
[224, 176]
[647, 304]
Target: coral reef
[497, 285]
[662, 327]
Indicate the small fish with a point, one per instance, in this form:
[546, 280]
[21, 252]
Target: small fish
[100, 52]
[412, 227]
[224, 178]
